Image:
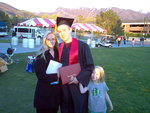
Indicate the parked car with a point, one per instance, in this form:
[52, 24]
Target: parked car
[104, 44]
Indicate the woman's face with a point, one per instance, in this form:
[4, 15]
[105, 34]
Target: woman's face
[50, 40]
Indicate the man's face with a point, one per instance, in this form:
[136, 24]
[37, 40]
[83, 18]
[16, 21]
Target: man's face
[64, 32]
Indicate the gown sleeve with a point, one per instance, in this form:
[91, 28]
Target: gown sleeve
[87, 64]
[41, 67]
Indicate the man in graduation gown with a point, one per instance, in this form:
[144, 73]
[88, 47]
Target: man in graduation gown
[72, 51]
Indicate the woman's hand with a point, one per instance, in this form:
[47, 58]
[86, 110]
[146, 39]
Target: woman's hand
[58, 75]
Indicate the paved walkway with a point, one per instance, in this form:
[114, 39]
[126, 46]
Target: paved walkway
[19, 48]
[137, 44]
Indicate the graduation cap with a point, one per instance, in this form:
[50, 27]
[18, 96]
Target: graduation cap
[66, 21]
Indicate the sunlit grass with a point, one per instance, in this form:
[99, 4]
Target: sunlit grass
[127, 76]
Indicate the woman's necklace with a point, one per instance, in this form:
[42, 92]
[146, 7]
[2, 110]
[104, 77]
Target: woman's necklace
[51, 51]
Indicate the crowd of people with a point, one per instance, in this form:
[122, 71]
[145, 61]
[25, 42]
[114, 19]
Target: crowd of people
[133, 41]
[86, 91]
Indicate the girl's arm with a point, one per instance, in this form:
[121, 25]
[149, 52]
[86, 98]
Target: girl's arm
[82, 89]
[109, 101]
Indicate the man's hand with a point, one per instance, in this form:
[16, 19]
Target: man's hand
[73, 80]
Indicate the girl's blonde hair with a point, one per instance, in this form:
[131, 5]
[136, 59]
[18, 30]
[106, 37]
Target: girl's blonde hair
[101, 72]
[45, 47]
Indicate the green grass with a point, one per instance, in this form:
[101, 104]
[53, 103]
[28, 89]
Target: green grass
[127, 76]
[8, 40]
[5, 41]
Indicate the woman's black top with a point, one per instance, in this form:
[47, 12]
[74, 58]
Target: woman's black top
[46, 95]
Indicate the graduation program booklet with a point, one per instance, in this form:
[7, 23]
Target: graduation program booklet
[66, 71]
[53, 67]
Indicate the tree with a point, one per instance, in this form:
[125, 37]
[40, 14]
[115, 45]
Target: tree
[118, 29]
[90, 20]
[45, 15]
[27, 15]
[54, 16]
[80, 19]
[110, 21]
[5, 18]
[16, 19]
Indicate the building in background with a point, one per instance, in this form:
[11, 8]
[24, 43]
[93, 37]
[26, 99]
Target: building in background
[139, 27]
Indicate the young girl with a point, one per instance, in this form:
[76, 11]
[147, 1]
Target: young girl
[97, 92]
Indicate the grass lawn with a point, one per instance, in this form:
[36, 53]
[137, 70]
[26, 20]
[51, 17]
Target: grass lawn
[8, 41]
[5, 41]
[127, 76]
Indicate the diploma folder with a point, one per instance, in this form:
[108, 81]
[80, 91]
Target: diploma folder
[66, 71]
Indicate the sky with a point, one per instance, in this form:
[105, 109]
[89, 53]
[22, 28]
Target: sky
[52, 5]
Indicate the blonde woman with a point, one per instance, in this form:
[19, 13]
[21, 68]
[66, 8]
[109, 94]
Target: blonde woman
[97, 92]
[47, 94]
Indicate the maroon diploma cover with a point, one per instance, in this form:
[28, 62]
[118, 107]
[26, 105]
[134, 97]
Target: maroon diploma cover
[66, 71]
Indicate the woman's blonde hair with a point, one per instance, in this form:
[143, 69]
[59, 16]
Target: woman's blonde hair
[45, 47]
[101, 72]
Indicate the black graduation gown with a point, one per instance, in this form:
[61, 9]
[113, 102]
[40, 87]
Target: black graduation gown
[46, 96]
[73, 100]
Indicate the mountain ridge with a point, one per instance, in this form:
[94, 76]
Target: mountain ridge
[126, 15]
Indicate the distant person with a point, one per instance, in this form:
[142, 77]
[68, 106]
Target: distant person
[127, 38]
[119, 41]
[13, 33]
[48, 89]
[142, 41]
[98, 95]
[133, 42]
[124, 40]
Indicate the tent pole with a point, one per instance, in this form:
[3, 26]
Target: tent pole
[75, 33]
[91, 35]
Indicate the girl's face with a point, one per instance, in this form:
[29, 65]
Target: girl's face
[95, 75]
[50, 40]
